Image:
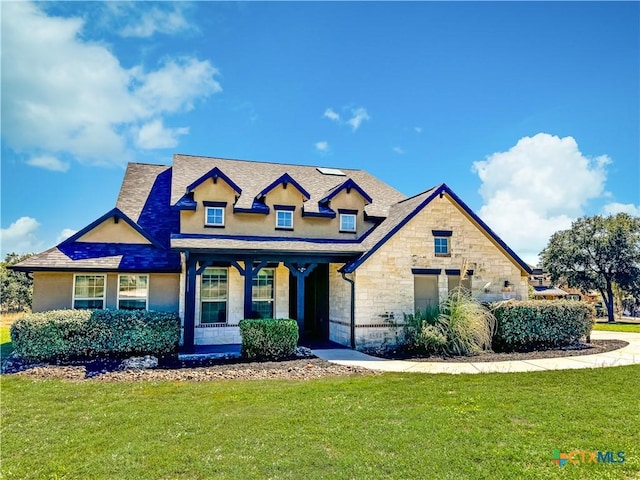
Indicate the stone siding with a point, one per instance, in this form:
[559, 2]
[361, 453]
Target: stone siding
[339, 307]
[385, 282]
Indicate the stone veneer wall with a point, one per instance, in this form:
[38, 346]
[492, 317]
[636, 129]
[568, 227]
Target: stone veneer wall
[339, 306]
[385, 282]
[230, 332]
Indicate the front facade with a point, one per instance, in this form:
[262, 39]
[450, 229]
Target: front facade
[218, 240]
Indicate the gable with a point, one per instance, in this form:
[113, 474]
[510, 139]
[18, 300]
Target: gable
[113, 230]
[108, 229]
[456, 216]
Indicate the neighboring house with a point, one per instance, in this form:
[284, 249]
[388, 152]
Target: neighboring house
[220, 240]
[543, 289]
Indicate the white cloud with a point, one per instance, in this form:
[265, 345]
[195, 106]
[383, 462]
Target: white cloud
[399, 150]
[418, 129]
[322, 146]
[64, 234]
[615, 207]
[331, 115]
[156, 20]
[359, 115]
[20, 237]
[536, 188]
[155, 135]
[49, 162]
[63, 94]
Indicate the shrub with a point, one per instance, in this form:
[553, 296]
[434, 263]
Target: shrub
[67, 334]
[467, 324]
[460, 326]
[268, 338]
[432, 339]
[414, 329]
[541, 325]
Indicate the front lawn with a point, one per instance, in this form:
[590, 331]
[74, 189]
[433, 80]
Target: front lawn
[6, 347]
[386, 426]
[617, 327]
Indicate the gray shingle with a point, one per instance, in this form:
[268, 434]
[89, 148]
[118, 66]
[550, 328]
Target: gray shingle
[253, 177]
[137, 183]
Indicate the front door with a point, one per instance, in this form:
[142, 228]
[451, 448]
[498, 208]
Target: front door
[316, 303]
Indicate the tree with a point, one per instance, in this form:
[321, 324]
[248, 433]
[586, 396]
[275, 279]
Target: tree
[16, 287]
[597, 253]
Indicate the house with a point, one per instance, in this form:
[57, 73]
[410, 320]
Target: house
[218, 240]
[540, 282]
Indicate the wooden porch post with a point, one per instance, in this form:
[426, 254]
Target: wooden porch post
[248, 272]
[300, 272]
[189, 306]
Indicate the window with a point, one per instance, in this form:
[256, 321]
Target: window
[132, 292]
[284, 219]
[441, 245]
[89, 291]
[425, 291]
[214, 216]
[347, 222]
[213, 296]
[263, 293]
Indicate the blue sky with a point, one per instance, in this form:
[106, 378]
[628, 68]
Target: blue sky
[528, 111]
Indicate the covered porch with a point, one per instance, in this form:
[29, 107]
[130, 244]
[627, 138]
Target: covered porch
[301, 278]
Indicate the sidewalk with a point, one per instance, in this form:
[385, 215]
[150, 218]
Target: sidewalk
[628, 355]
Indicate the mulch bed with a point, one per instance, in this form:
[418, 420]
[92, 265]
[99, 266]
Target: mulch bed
[596, 346]
[298, 369]
[292, 369]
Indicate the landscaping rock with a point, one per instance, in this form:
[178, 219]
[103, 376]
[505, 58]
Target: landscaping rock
[304, 352]
[139, 363]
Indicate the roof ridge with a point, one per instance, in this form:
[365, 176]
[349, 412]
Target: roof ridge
[418, 194]
[267, 162]
[149, 164]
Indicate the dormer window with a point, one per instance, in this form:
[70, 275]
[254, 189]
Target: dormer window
[348, 220]
[284, 216]
[214, 214]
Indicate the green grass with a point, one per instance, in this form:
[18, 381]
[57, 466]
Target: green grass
[617, 327]
[6, 347]
[388, 426]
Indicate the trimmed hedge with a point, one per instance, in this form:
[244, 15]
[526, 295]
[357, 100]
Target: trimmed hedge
[538, 324]
[68, 334]
[268, 338]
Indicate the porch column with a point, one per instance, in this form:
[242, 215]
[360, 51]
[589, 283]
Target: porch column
[248, 272]
[189, 306]
[300, 271]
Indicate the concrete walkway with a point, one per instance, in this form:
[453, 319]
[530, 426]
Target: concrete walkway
[628, 355]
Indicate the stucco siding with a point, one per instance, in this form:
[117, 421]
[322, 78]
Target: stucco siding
[111, 232]
[259, 224]
[164, 291]
[52, 291]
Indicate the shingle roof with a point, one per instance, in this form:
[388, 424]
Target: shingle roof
[281, 245]
[149, 191]
[103, 256]
[253, 177]
[144, 198]
[138, 182]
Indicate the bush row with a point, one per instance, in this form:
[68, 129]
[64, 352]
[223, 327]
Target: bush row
[268, 338]
[541, 325]
[68, 334]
